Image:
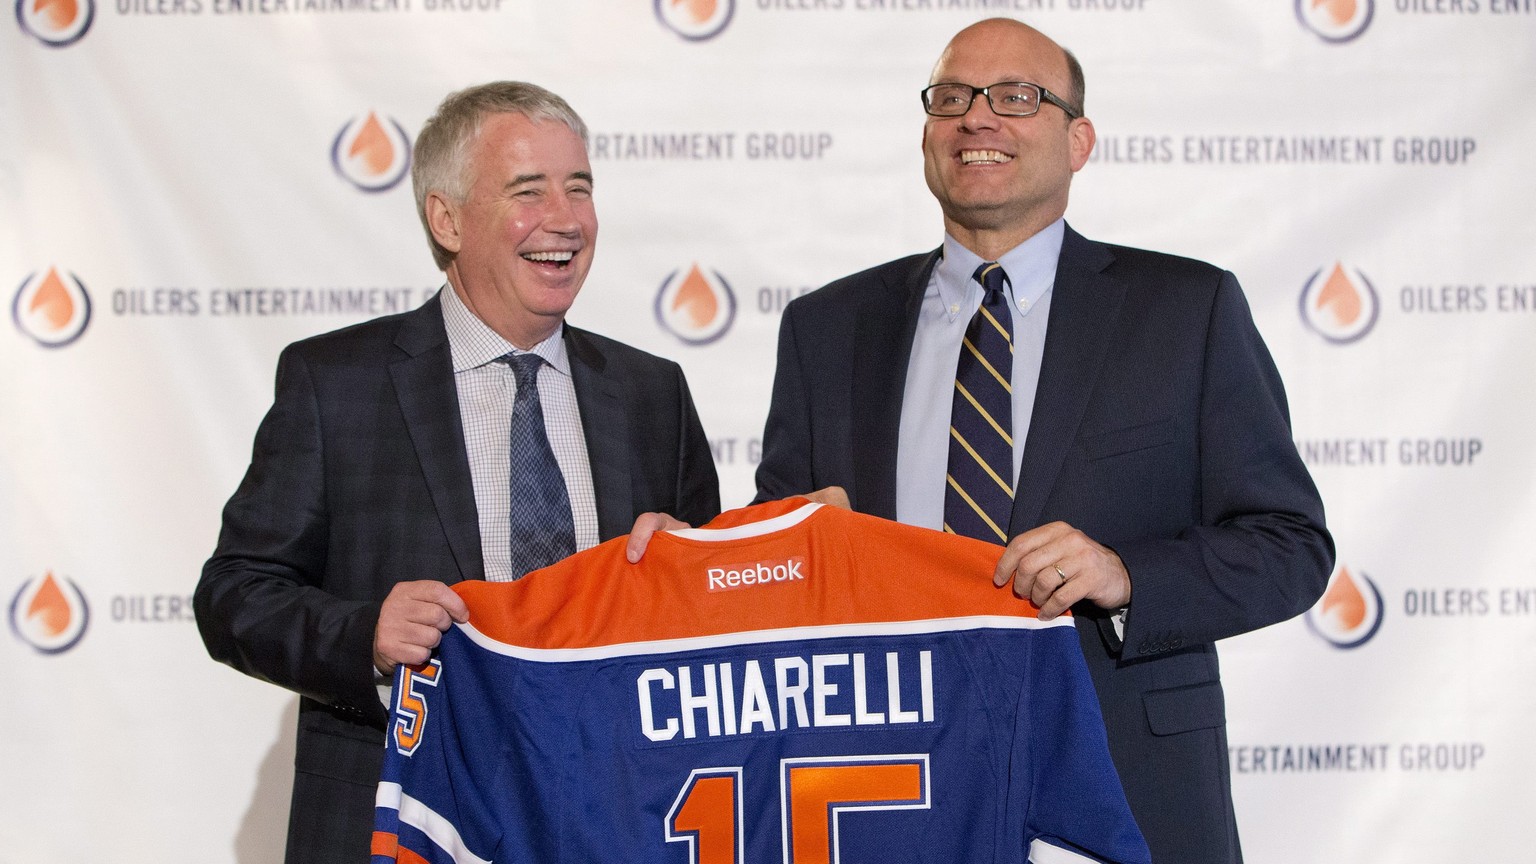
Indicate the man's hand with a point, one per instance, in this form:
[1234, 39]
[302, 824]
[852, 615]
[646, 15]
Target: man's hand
[412, 621]
[1057, 565]
[834, 496]
[645, 526]
[650, 523]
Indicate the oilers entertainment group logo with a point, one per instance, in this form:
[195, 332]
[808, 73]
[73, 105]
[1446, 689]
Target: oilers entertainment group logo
[697, 308]
[52, 309]
[55, 23]
[1341, 307]
[371, 153]
[49, 613]
[1350, 612]
[1336, 21]
[695, 20]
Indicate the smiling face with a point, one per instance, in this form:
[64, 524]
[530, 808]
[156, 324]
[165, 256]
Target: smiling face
[1000, 180]
[523, 237]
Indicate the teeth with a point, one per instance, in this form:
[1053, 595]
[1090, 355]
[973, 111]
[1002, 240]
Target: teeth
[971, 156]
[550, 256]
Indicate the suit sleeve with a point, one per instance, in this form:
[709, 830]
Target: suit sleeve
[785, 469]
[260, 604]
[1259, 552]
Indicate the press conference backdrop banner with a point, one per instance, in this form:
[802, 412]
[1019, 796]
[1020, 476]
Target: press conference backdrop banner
[188, 185]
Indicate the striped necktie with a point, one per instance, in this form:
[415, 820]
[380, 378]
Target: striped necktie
[978, 497]
[542, 528]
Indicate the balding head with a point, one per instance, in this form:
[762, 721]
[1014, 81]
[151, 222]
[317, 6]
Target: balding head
[1005, 34]
[1001, 178]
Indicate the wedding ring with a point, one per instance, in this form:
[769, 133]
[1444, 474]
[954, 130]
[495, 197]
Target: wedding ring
[1060, 574]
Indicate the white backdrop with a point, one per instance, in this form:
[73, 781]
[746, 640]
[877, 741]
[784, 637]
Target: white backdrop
[188, 185]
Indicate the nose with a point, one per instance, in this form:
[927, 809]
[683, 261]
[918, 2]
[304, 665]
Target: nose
[561, 217]
[980, 115]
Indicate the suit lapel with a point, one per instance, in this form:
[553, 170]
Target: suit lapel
[1084, 306]
[605, 424]
[885, 327]
[429, 401]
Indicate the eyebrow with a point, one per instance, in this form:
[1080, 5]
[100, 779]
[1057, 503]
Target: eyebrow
[535, 178]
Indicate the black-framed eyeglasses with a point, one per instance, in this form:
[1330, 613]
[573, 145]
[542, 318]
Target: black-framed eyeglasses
[1007, 98]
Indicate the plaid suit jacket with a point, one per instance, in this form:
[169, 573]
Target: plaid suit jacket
[358, 480]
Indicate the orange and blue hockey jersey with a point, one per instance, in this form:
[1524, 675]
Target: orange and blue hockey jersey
[792, 683]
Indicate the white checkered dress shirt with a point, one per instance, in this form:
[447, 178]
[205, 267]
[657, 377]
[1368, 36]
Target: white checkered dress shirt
[486, 389]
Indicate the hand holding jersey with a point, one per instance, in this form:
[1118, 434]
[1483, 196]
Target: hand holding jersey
[1056, 565]
[412, 621]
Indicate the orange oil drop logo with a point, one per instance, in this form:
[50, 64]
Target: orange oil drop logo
[371, 153]
[49, 613]
[49, 609]
[699, 11]
[1341, 12]
[1335, 21]
[1344, 602]
[58, 13]
[52, 308]
[697, 308]
[371, 147]
[51, 303]
[1340, 307]
[55, 23]
[1339, 298]
[1350, 611]
[695, 20]
[695, 299]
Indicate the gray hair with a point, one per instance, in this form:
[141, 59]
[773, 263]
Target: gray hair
[441, 157]
[1079, 87]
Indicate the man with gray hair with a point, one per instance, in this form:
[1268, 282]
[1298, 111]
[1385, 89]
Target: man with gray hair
[478, 436]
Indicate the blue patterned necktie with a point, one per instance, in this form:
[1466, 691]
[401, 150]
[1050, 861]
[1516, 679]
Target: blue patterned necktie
[978, 494]
[542, 529]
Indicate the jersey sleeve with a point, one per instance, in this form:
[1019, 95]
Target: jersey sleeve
[429, 807]
[1076, 811]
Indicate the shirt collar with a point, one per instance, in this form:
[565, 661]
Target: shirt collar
[472, 343]
[1031, 269]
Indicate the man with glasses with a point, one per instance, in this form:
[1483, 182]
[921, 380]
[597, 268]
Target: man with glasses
[1109, 416]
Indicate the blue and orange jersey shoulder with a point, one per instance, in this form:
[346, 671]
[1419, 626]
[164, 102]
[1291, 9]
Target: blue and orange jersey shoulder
[778, 565]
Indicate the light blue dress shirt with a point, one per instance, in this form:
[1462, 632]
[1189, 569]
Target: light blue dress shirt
[950, 300]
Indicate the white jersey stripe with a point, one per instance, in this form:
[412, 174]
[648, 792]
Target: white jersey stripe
[1041, 852]
[427, 821]
[754, 529]
[754, 637]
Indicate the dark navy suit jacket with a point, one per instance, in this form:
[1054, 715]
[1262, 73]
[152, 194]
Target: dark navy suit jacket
[1160, 429]
[359, 479]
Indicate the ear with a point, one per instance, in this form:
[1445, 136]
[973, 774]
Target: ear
[443, 219]
[1082, 138]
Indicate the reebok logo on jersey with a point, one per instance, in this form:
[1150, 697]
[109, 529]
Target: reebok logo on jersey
[759, 573]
